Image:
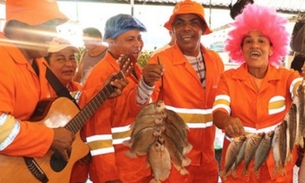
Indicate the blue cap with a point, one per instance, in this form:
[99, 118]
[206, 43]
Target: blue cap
[121, 23]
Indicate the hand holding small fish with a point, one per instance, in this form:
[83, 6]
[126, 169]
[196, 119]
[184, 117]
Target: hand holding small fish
[152, 73]
[234, 127]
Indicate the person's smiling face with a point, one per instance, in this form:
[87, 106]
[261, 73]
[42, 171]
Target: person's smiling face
[188, 29]
[63, 64]
[256, 49]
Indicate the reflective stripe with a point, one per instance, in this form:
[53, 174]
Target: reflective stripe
[194, 118]
[294, 85]
[99, 137]
[10, 128]
[120, 141]
[222, 102]
[276, 105]
[120, 134]
[102, 151]
[199, 125]
[189, 111]
[120, 129]
[266, 130]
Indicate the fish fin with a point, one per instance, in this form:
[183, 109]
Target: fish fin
[127, 143]
[234, 173]
[187, 148]
[186, 162]
[245, 172]
[300, 141]
[141, 153]
[256, 173]
[183, 171]
[154, 181]
[131, 155]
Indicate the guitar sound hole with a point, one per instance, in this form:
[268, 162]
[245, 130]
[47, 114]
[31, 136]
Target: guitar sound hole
[57, 162]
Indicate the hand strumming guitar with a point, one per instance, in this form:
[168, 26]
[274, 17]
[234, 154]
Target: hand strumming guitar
[62, 141]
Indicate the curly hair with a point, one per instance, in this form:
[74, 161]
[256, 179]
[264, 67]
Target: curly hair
[268, 22]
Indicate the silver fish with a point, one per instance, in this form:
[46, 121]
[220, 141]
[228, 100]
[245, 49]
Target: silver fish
[232, 152]
[251, 146]
[263, 151]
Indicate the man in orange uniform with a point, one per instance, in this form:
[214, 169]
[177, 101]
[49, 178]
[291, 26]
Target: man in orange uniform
[188, 86]
[110, 125]
[257, 96]
[29, 26]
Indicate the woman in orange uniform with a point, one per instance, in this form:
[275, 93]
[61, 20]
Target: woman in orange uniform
[256, 96]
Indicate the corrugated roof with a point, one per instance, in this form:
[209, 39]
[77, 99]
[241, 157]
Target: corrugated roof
[292, 6]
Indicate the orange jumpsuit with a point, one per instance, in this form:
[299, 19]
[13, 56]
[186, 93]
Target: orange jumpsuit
[259, 112]
[106, 130]
[20, 85]
[182, 92]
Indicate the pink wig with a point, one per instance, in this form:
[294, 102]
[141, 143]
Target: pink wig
[265, 20]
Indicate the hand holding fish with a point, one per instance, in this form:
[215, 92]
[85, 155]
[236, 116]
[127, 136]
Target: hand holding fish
[152, 73]
[234, 127]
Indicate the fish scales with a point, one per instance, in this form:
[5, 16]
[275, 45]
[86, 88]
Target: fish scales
[159, 159]
[263, 150]
[283, 143]
[292, 126]
[177, 157]
[251, 147]
[276, 148]
[232, 152]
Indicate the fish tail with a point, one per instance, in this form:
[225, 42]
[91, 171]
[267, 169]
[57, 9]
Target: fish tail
[127, 143]
[245, 172]
[187, 148]
[154, 181]
[234, 173]
[256, 173]
[131, 155]
[183, 171]
[186, 162]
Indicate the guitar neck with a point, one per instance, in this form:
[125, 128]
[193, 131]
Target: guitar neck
[80, 119]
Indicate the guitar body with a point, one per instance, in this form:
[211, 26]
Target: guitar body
[15, 170]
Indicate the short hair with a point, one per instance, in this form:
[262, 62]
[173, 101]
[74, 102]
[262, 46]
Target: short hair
[92, 32]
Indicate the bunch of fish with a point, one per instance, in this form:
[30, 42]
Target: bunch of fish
[161, 135]
[281, 142]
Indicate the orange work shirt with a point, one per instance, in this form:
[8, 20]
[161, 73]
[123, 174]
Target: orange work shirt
[260, 110]
[21, 89]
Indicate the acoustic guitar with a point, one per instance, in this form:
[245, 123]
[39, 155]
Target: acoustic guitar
[53, 113]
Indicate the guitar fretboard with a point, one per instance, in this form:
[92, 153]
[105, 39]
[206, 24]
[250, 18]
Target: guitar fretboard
[80, 119]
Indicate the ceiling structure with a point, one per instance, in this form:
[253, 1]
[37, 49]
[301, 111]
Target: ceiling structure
[284, 6]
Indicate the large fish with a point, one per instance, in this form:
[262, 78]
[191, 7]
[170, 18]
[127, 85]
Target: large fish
[292, 126]
[177, 157]
[159, 159]
[299, 101]
[283, 143]
[152, 108]
[251, 146]
[173, 118]
[143, 122]
[143, 140]
[262, 151]
[240, 156]
[232, 152]
[276, 149]
[173, 132]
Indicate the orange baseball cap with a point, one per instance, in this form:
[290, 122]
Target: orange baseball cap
[34, 12]
[187, 7]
